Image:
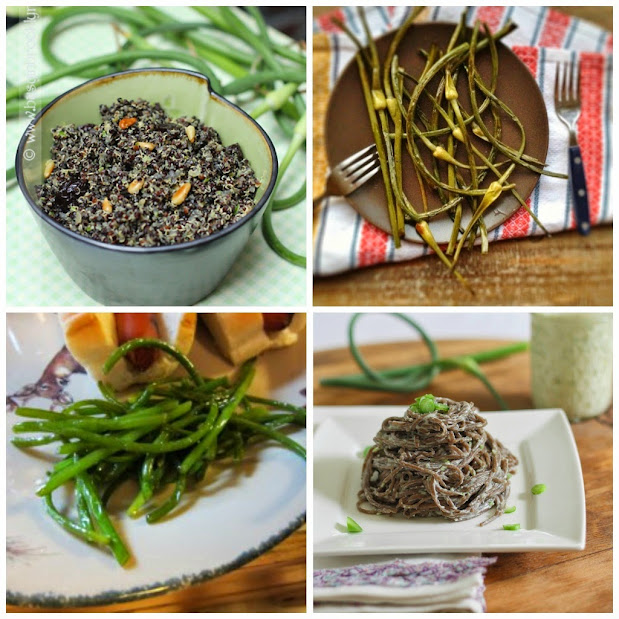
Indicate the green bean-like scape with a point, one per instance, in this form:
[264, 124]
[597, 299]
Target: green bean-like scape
[168, 433]
[418, 377]
[246, 62]
[463, 144]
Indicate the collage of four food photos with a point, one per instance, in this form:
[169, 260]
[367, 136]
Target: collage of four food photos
[221, 400]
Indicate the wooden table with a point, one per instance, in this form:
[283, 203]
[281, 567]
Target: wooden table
[566, 269]
[578, 581]
[274, 582]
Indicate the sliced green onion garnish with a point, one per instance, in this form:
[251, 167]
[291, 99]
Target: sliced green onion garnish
[427, 404]
[352, 526]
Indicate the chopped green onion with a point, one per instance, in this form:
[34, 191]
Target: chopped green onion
[427, 404]
[538, 489]
[510, 510]
[511, 527]
[352, 526]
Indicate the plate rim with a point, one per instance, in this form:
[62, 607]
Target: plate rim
[334, 412]
[45, 600]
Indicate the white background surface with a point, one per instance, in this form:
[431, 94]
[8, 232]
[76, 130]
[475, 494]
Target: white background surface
[331, 329]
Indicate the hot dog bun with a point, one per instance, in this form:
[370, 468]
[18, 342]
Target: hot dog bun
[242, 336]
[92, 336]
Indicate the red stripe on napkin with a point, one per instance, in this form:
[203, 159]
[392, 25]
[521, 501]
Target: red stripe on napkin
[520, 222]
[528, 55]
[609, 45]
[555, 27]
[491, 15]
[373, 244]
[591, 127]
[327, 25]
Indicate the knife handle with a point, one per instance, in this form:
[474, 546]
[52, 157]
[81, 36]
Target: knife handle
[579, 190]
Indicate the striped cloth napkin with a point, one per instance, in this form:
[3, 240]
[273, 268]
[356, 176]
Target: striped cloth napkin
[416, 584]
[544, 39]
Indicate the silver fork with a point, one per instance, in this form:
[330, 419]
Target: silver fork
[351, 173]
[567, 106]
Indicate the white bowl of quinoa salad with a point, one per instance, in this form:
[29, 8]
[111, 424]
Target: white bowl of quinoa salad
[146, 184]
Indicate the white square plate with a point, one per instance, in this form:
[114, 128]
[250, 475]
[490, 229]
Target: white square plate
[543, 442]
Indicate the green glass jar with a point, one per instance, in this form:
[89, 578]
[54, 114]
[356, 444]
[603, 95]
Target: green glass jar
[571, 362]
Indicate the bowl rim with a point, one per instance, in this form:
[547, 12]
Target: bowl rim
[260, 205]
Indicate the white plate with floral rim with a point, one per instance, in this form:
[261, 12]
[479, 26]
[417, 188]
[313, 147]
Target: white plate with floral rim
[542, 441]
[232, 518]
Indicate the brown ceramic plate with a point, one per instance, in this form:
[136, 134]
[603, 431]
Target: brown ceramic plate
[348, 128]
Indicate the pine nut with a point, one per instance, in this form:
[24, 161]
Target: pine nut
[49, 168]
[180, 194]
[106, 206]
[125, 123]
[190, 130]
[146, 145]
[135, 186]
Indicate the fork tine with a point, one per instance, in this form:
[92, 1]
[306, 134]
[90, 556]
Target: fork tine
[564, 79]
[561, 82]
[572, 80]
[353, 167]
[354, 156]
[557, 79]
[577, 92]
[356, 174]
[367, 177]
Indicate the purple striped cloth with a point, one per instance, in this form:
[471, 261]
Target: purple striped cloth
[544, 39]
[415, 584]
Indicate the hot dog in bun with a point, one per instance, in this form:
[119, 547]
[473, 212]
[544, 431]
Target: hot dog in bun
[92, 336]
[243, 336]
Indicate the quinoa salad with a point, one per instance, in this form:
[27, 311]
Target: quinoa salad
[142, 179]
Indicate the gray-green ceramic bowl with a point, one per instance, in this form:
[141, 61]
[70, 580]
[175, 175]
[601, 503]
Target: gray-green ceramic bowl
[181, 274]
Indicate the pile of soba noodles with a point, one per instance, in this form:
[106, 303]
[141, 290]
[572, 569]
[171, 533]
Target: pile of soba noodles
[437, 460]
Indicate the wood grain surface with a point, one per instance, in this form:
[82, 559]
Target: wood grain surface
[564, 270]
[548, 582]
[567, 269]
